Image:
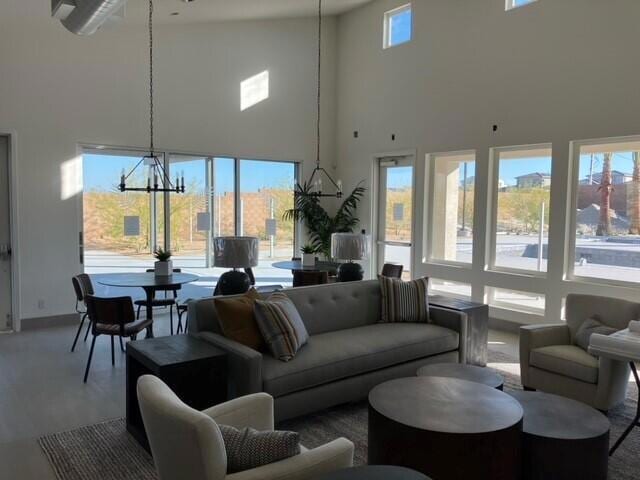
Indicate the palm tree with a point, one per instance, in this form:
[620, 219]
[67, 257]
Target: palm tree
[634, 207]
[606, 187]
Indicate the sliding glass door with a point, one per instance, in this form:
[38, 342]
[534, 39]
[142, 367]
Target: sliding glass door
[266, 192]
[190, 213]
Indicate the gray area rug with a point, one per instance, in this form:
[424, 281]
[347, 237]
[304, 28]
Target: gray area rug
[107, 452]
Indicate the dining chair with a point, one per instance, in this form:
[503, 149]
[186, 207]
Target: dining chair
[261, 288]
[392, 270]
[304, 278]
[162, 302]
[113, 317]
[82, 287]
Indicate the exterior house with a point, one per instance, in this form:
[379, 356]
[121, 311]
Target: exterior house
[617, 178]
[534, 180]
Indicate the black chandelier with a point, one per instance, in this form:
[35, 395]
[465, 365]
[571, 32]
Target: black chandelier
[313, 187]
[158, 179]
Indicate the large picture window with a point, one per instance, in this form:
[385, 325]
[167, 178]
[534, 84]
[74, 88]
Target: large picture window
[606, 238]
[521, 189]
[452, 206]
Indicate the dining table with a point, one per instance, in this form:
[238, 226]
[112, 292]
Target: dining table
[150, 283]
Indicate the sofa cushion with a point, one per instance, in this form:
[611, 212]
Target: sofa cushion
[238, 321]
[404, 301]
[568, 360]
[588, 328]
[281, 326]
[331, 356]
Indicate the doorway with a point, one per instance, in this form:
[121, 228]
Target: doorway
[395, 212]
[6, 322]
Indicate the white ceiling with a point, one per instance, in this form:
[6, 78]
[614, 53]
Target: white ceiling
[221, 10]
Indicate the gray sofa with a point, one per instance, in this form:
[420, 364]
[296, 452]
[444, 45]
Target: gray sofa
[348, 352]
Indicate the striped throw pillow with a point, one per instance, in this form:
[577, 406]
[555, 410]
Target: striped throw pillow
[404, 301]
[281, 326]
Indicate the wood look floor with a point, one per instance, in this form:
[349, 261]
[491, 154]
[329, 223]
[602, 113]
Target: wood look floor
[41, 391]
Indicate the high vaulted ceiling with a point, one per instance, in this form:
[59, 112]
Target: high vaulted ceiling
[220, 10]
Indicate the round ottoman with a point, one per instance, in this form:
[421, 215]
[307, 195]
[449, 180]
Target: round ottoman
[562, 438]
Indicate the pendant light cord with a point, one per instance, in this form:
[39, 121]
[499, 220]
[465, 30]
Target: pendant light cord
[319, 81]
[151, 146]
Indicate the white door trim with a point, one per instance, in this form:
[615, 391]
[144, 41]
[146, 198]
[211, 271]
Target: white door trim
[13, 225]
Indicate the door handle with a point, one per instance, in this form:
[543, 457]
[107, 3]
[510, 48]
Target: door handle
[5, 251]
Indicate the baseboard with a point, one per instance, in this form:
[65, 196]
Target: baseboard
[46, 322]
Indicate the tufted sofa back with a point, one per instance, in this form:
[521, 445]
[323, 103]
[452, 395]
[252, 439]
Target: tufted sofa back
[336, 306]
[323, 308]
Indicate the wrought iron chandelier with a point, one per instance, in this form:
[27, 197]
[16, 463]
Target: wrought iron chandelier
[313, 187]
[158, 179]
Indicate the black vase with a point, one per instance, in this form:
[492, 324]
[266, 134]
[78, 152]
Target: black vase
[350, 272]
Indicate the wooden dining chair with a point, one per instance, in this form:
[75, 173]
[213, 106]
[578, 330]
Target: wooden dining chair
[113, 317]
[162, 302]
[392, 270]
[305, 278]
[82, 287]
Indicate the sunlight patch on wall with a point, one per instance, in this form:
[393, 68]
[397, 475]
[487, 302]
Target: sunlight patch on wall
[254, 90]
[70, 178]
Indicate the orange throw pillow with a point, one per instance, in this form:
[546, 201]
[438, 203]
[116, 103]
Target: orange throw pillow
[237, 320]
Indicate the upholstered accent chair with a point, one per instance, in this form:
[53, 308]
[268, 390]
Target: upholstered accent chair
[187, 444]
[551, 361]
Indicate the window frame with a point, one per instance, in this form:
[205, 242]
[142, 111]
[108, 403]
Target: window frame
[430, 207]
[511, 5]
[388, 16]
[492, 210]
[572, 214]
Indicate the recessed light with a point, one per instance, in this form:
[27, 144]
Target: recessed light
[174, 14]
[188, 1]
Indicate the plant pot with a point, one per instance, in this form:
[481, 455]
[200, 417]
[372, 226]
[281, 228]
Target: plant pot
[308, 259]
[163, 269]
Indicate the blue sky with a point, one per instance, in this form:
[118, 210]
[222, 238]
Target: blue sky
[102, 172]
[401, 28]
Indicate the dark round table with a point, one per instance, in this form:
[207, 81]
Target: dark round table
[445, 428]
[374, 472]
[297, 265]
[471, 373]
[562, 438]
[149, 283]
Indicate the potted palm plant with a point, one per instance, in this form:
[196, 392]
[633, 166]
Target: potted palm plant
[319, 224]
[308, 255]
[163, 266]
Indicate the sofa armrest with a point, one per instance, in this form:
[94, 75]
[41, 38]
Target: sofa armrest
[255, 411]
[327, 458]
[537, 336]
[244, 365]
[455, 321]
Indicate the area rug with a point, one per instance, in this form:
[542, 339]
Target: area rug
[107, 452]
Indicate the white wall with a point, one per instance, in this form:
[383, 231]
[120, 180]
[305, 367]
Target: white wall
[554, 71]
[57, 90]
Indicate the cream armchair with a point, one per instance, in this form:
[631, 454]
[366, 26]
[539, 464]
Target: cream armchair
[187, 445]
[551, 362]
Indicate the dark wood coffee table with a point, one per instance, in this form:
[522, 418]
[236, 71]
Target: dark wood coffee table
[471, 373]
[446, 428]
[194, 369]
[562, 438]
[374, 472]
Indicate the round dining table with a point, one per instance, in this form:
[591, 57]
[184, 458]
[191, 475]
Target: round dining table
[150, 283]
[297, 265]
